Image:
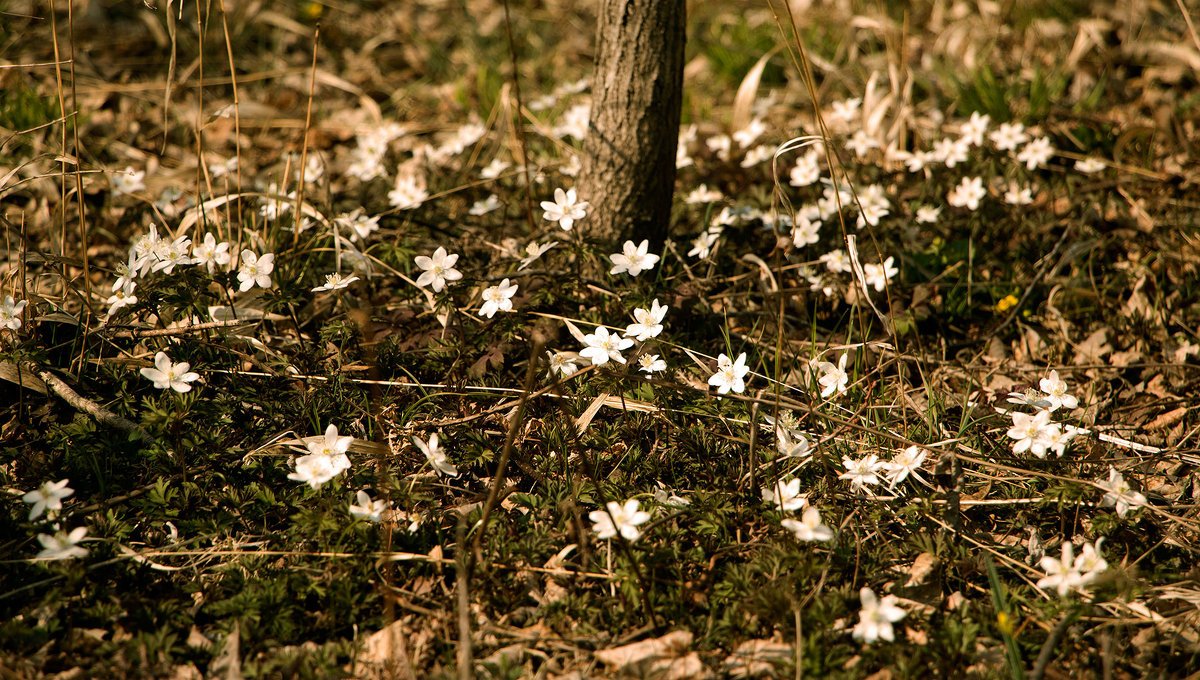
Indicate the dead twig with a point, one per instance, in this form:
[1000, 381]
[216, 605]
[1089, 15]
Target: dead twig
[81, 403]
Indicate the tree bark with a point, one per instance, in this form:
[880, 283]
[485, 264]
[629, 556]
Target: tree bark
[628, 172]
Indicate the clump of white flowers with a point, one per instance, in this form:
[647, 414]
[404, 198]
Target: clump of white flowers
[1035, 432]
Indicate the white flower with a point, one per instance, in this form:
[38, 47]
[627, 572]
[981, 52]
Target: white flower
[844, 111]
[877, 616]
[1017, 195]
[121, 297]
[719, 144]
[1090, 165]
[498, 299]
[649, 322]
[407, 193]
[967, 194]
[702, 244]
[1029, 432]
[1030, 397]
[565, 209]
[145, 249]
[928, 214]
[809, 527]
[861, 143]
[746, 136]
[167, 374]
[682, 158]
[950, 151]
[1118, 492]
[574, 122]
[834, 379]
[10, 313]
[806, 232]
[634, 260]
[757, 155]
[172, 255]
[702, 194]
[274, 203]
[1057, 437]
[791, 444]
[619, 519]
[128, 181]
[785, 496]
[1090, 564]
[437, 269]
[664, 497]
[730, 375]
[602, 346]
[255, 269]
[126, 271]
[651, 363]
[371, 511]
[1061, 574]
[358, 223]
[533, 251]
[435, 455]
[807, 170]
[973, 130]
[877, 275]
[210, 253]
[835, 261]
[47, 498]
[485, 206]
[316, 469]
[1056, 392]
[335, 281]
[492, 170]
[903, 464]
[62, 545]
[563, 363]
[1035, 154]
[861, 472]
[1008, 136]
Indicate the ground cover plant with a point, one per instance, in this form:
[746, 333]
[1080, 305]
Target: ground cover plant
[311, 368]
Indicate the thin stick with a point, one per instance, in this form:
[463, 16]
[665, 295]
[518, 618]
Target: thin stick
[312, 86]
[182, 330]
[466, 659]
[101, 414]
[1047, 653]
[519, 122]
[237, 118]
[513, 426]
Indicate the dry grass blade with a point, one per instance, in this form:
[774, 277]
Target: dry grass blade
[747, 92]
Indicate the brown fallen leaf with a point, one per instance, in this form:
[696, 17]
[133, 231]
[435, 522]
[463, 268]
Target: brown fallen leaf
[1093, 349]
[757, 658]
[920, 569]
[672, 644]
[1167, 419]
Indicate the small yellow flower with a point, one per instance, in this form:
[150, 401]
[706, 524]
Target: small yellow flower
[1006, 303]
[1004, 621]
[312, 11]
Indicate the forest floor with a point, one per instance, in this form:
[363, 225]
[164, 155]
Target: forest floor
[910, 392]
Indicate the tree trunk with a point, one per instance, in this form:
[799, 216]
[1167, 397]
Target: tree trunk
[628, 172]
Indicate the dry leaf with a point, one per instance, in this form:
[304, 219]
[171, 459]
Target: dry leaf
[13, 373]
[1167, 419]
[671, 645]
[920, 569]
[1093, 349]
[743, 101]
[386, 651]
[757, 658]
[227, 664]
